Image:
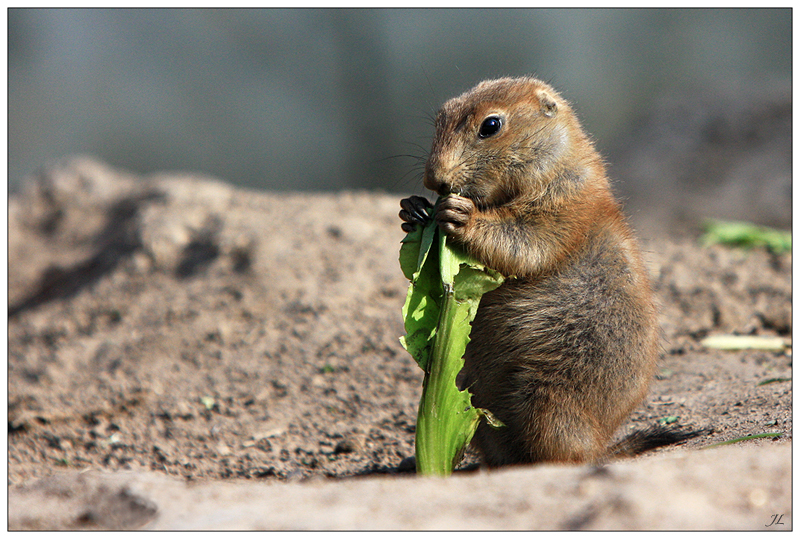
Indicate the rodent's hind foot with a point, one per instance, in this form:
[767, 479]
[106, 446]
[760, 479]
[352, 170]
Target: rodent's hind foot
[414, 212]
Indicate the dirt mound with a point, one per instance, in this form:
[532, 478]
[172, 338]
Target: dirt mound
[679, 491]
[172, 325]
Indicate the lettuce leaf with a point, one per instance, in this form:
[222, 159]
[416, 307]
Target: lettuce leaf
[442, 300]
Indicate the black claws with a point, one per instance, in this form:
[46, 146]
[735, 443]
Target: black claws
[414, 212]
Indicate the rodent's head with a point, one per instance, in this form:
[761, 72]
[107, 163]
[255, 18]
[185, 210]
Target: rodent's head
[501, 138]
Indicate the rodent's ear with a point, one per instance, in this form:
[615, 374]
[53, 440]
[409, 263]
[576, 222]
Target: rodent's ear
[549, 106]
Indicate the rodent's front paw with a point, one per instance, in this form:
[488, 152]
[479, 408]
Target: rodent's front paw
[453, 214]
[414, 212]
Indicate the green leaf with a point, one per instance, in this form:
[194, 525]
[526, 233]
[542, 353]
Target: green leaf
[409, 252]
[422, 306]
[415, 248]
[446, 419]
[442, 300]
[745, 438]
[491, 419]
[746, 235]
[472, 282]
[773, 380]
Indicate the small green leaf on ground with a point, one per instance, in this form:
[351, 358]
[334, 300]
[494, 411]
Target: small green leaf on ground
[746, 235]
[746, 438]
[773, 380]
[327, 369]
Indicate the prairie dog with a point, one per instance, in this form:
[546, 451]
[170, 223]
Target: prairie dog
[566, 347]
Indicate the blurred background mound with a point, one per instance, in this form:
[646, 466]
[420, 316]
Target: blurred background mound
[692, 108]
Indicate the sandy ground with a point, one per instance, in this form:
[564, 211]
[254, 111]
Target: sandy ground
[185, 355]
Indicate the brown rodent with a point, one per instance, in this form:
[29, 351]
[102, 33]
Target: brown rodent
[563, 351]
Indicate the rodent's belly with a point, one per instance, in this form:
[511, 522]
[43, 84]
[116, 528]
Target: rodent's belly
[580, 330]
[561, 362]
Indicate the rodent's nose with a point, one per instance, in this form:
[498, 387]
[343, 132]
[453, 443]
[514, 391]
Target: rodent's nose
[435, 183]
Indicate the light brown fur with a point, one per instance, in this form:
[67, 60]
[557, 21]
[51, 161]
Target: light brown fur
[564, 350]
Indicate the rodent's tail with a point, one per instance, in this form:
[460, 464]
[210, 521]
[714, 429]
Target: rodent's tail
[653, 437]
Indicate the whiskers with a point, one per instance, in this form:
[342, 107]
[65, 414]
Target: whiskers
[413, 173]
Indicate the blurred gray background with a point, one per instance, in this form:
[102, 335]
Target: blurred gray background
[329, 99]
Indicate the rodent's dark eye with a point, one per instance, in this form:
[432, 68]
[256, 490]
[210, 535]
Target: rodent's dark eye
[490, 126]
